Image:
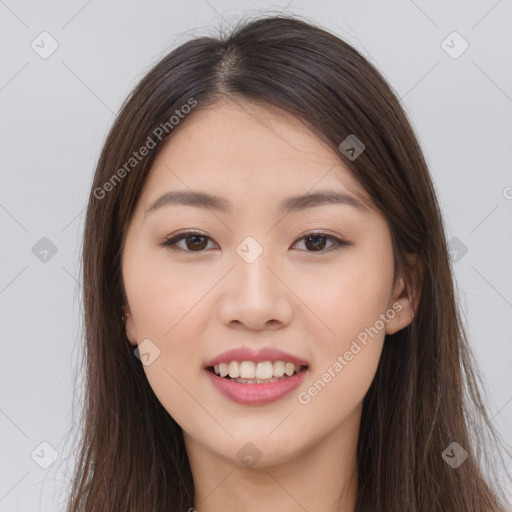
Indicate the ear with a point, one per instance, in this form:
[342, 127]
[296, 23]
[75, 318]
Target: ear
[406, 295]
[131, 332]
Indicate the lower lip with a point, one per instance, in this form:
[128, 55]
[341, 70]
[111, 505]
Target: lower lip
[256, 394]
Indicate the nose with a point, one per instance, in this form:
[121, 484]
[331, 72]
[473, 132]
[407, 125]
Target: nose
[256, 295]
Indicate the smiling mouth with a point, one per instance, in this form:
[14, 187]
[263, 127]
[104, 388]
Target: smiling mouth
[240, 380]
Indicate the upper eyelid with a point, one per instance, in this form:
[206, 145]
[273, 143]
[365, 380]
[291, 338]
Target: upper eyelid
[186, 234]
[192, 232]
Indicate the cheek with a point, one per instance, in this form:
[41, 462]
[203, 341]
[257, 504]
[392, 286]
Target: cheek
[345, 360]
[348, 346]
[167, 309]
[349, 298]
[163, 296]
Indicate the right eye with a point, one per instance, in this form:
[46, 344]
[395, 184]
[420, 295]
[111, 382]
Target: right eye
[194, 242]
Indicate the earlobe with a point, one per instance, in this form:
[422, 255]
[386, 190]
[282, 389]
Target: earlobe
[404, 315]
[131, 333]
[406, 298]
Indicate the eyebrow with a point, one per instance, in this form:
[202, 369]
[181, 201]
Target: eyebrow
[291, 204]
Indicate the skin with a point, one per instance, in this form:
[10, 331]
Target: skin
[194, 305]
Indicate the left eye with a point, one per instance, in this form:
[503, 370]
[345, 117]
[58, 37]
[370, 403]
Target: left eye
[196, 242]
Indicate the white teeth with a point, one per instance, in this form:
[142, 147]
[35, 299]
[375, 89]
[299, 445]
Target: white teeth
[289, 369]
[247, 370]
[278, 369]
[261, 371]
[264, 370]
[234, 369]
[223, 369]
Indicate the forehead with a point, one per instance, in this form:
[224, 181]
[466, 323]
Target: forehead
[248, 150]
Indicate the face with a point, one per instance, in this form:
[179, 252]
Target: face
[254, 270]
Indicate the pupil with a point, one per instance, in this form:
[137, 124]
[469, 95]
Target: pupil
[316, 245]
[195, 237]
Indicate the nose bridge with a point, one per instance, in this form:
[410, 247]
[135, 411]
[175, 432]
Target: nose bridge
[255, 296]
[254, 266]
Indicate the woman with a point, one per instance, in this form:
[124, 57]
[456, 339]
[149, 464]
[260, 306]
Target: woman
[269, 306]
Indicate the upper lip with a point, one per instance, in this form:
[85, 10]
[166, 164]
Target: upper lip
[248, 354]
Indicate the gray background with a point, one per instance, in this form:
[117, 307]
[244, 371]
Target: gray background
[55, 113]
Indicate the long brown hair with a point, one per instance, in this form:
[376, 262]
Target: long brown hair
[425, 394]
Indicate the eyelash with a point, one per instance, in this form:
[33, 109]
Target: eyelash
[170, 243]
